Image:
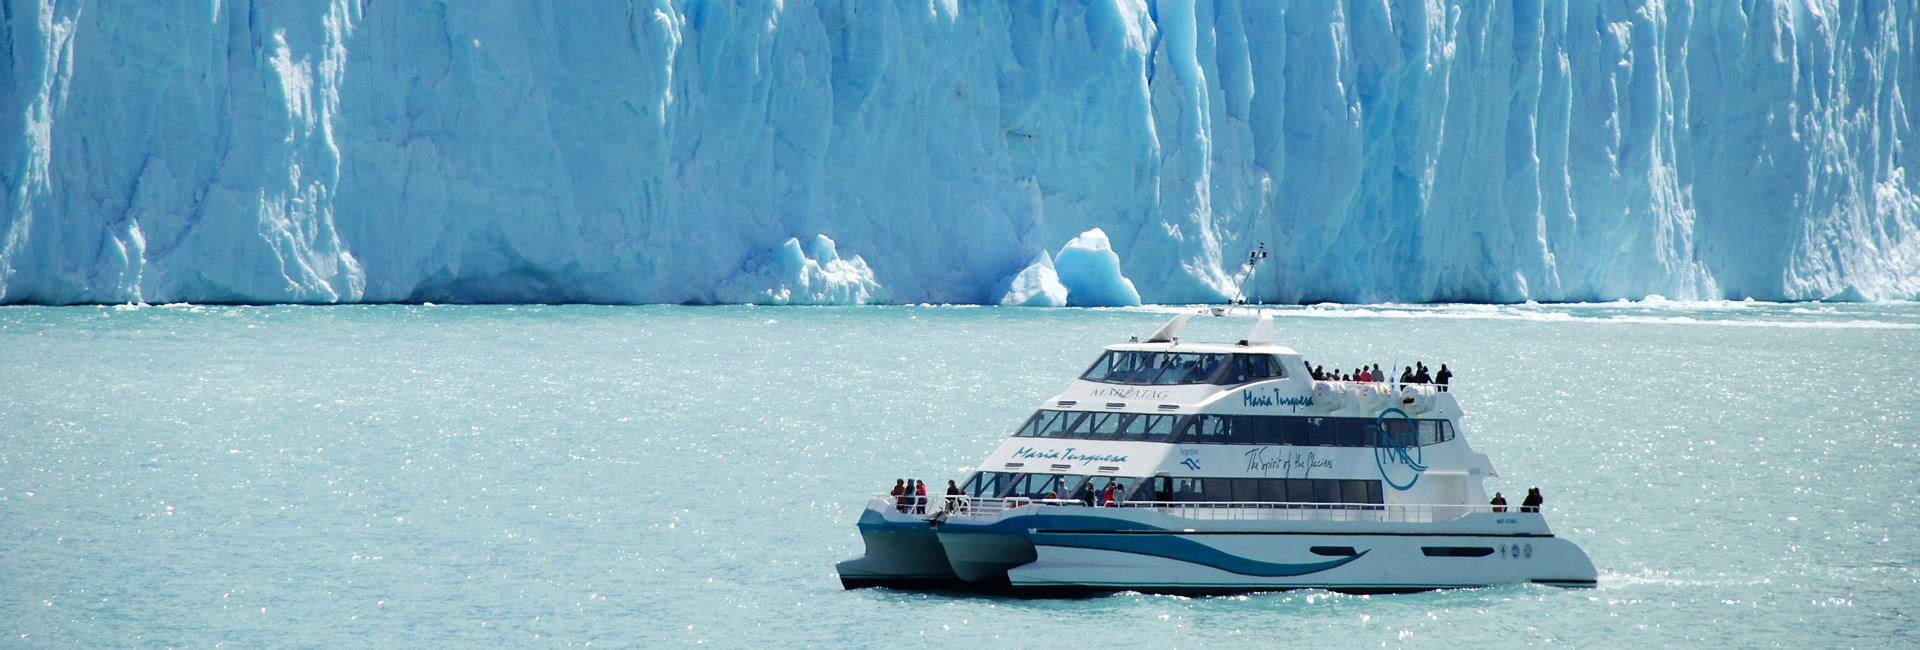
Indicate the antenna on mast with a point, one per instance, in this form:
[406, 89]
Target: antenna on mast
[1253, 261]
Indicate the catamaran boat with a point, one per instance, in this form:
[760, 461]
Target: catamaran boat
[1215, 468]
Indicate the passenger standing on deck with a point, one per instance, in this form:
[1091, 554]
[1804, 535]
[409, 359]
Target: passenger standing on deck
[1364, 376]
[1378, 374]
[1442, 377]
[1406, 376]
[899, 490]
[1107, 497]
[920, 497]
[953, 495]
[1533, 501]
[1499, 502]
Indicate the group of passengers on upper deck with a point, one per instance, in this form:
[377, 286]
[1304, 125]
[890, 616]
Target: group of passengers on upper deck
[1414, 374]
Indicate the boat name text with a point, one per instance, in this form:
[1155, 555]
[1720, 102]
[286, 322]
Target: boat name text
[1251, 397]
[1127, 393]
[1068, 455]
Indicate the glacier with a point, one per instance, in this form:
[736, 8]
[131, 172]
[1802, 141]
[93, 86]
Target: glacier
[668, 150]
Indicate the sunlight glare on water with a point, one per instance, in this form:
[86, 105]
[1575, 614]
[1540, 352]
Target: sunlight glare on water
[1743, 474]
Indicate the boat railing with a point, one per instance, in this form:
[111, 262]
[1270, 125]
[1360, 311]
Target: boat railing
[1234, 510]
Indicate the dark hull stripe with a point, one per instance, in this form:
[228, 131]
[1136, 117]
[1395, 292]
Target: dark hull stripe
[1063, 531]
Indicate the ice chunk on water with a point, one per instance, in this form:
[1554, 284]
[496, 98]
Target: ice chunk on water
[1090, 271]
[790, 277]
[1038, 285]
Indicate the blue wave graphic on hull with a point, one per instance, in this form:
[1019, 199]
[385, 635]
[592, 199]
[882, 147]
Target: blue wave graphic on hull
[1185, 550]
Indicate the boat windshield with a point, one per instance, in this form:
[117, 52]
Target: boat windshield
[1173, 368]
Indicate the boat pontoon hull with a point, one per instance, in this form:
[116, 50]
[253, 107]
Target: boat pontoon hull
[903, 552]
[1055, 550]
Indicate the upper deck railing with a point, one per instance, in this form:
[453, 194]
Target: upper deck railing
[967, 507]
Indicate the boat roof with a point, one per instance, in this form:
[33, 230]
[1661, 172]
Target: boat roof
[1204, 347]
[1167, 339]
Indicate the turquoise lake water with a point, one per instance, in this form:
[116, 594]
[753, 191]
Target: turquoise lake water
[1744, 475]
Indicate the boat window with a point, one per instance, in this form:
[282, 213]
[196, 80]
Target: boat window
[1148, 428]
[1105, 426]
[1354, 491]
[1189, 368]
[1140, 491]
[1272, 490]
[1433, 432]
[1246, 368]
[1081, 425]
[1051, 424]
[1326, 492]
[1397, 433]
[1188, 489]
[1149, 368]
[988, 484]
[1299, 490]
[1275, 490]
[1310, 431]
[1038, 486]
[1246, 489]
[1153, 428]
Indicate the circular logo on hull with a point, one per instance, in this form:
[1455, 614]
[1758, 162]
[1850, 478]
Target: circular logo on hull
[1397, 454]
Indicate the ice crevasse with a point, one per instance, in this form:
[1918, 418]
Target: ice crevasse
[682, 151]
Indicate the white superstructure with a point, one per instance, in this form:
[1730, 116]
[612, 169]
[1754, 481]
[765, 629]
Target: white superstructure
[1230, 470]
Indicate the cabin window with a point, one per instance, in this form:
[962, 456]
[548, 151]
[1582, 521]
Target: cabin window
[1178, 490]
[1104, 426]
[1273, 491]
[1309, 431]
[1433, 432]
[1154, 368]
[988, 484]
[1038, 486]
[1277, 490]
[1080, 425]
[1246, 368]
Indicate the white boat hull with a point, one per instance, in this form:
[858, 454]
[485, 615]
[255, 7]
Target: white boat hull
[1041, 549]
[1205, 563]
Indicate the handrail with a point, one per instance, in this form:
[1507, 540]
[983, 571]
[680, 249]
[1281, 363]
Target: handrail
[1239, 510]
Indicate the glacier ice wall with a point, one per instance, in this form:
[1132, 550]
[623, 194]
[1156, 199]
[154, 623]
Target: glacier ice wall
[1412, 150]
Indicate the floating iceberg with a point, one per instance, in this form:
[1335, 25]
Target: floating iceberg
[1090, 271]
[1038, 285]
[791, 277]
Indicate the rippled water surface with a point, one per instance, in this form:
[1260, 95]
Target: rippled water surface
[392, 476]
